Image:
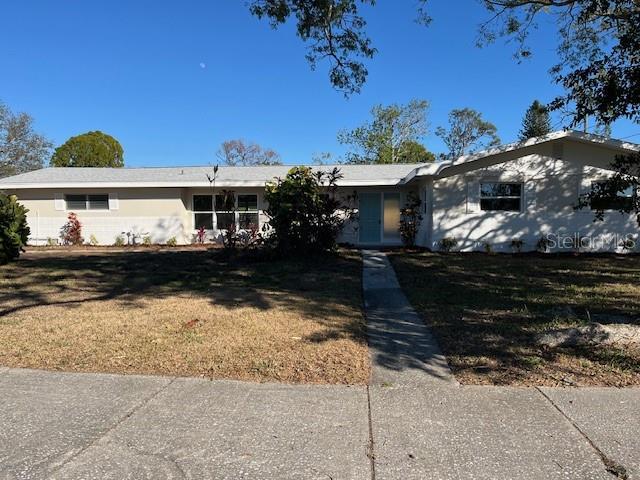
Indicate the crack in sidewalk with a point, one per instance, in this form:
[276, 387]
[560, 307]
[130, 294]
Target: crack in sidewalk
[612, 467]
[370, 447]
[100, 436]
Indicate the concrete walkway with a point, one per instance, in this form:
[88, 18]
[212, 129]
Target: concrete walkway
[97, 426]
[403, 350]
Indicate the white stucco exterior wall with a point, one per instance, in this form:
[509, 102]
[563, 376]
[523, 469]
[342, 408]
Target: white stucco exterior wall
[551, 188]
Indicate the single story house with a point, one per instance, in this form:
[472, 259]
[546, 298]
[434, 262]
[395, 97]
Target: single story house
[521, 191]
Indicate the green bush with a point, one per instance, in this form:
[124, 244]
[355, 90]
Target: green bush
[447, 244]
[304, 211]
[172, 242]
[14, 231]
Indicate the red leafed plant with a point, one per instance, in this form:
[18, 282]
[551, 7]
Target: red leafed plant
[201, 235]
[71, 232]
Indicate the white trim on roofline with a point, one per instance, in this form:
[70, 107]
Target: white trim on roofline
[428, 170]
[437, 168]
[227, 183]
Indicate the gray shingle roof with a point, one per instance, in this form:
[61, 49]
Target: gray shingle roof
[197, 176]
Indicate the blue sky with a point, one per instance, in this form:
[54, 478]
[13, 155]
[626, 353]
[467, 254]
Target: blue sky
[172, 80]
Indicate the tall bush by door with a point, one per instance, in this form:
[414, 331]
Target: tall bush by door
[304, 211]
[410, 218]
[14, 231]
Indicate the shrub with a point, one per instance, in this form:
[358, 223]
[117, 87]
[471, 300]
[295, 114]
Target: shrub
[146, 240]
[172, 242]
[486, 246]
[542, 245]
[14, 231]
[93, 241]
[447, 244]
[410, 219]
[119, 241]
[200, 236]
[51, 242]
[71, 232]
[517, 244]
[304, 212]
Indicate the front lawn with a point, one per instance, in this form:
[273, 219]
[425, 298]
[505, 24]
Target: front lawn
[489, 311]
[188, 313]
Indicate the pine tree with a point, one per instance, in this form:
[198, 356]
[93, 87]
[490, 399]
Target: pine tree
[536, 122]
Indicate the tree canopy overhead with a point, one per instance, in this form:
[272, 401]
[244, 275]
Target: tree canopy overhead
[392, 136]
[21, 149]
[598, 43]
[91, 149]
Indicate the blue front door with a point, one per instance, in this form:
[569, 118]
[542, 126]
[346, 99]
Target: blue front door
[370, 216]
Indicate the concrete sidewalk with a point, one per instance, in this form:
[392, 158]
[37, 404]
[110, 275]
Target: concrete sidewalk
[97, 426]
[403, 350]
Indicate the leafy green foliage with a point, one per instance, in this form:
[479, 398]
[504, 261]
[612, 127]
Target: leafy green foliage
[612, 191]
[304, 211]
[14, 231]
[447, 244]
[467, 133]
[91, 149]
[536, 122]
[392, 136]
[410, 219]
[21, 149]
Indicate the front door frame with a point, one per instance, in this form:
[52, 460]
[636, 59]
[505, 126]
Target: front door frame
[381, 238]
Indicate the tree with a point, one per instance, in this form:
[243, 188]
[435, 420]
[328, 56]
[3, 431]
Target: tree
[391, 137]
[91, 149]
[415, 152]
[536, 122]
[21, 149]
[239, 153]
[333, 29]
[598, 43]
[620, 192]
[467, 133]
[14, 231]
[304, 211]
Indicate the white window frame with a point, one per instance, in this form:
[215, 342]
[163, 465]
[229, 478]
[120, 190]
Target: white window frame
[214, 212]
[507, 197]
[86, 202]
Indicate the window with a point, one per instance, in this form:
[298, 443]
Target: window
[203, 212]
[247, 202]
[623, 200]
[500, 197]
[87, 202]
[243, 215]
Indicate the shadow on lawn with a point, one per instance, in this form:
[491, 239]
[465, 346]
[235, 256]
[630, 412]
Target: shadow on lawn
[487, 310]
[317, 287]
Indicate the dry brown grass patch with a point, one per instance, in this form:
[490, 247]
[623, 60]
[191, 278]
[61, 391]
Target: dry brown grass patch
[186, 313]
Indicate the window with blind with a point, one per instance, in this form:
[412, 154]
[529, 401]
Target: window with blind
[87, 202]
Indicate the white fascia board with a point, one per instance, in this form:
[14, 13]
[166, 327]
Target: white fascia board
[252, 183]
